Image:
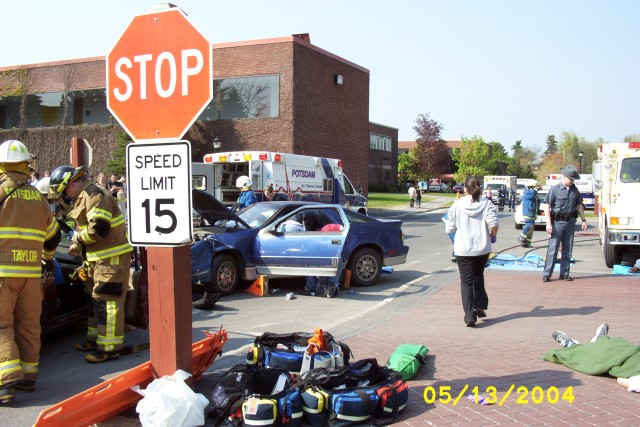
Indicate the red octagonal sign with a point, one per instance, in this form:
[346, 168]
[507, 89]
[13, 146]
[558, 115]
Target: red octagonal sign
[159, 76]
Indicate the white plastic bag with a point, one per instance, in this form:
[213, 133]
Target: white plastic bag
[170, 402]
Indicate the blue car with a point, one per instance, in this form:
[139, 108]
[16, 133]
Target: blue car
[289, 239]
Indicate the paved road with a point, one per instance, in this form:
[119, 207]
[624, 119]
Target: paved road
[425, 288]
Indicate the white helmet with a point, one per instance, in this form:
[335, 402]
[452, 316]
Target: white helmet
[13, 151]
[43, 185]
[243, 181]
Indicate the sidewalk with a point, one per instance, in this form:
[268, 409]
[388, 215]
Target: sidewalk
[507, 348]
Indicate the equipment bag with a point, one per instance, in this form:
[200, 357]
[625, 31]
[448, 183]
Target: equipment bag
[252, 396]
[407, 359]
[360, 392]
[286, 351]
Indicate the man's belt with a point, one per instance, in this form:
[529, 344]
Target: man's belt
[565, 217]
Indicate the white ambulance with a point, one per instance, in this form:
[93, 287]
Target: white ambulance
[495, 182]
[293, 177]
[617, 180]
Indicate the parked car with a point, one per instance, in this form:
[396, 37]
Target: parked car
[541, 221]
[444, 188]
[458, 187]
[435, 188]
[241, 246]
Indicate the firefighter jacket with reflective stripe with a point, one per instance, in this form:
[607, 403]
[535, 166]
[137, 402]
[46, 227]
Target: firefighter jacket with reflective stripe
[28, 230]
[100, 226]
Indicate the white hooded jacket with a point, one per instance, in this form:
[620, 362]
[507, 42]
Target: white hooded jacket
[471, 221]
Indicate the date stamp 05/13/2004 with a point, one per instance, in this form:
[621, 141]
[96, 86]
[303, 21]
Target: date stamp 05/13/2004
[523, 395]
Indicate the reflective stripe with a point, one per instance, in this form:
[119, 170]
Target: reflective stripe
[52, 229]
[22, 233]
[7, 270]
[30, 367]
[9, 367]
[109, 252]
[110, 340]
[97, 213]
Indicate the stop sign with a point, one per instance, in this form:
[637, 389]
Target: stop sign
[159, 76]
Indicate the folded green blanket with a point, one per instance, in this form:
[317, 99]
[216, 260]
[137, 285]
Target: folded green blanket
[605, 356]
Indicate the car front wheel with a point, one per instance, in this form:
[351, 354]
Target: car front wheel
[224, 275]
[365, 267]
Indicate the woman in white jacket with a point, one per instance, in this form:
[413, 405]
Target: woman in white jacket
[474, 221]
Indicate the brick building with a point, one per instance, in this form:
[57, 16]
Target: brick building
[281, 94]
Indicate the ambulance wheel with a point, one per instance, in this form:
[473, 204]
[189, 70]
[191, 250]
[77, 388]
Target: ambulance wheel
[612, 253]
[225, 275]
[365, 266]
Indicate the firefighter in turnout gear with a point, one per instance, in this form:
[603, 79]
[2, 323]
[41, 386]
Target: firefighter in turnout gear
[29, 235]
[100, 236]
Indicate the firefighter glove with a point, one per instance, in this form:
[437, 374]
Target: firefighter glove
[80, 274]
[47, 266]
[75, 249]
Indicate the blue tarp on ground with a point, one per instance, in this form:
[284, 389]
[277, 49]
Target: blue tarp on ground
[513, 262]
[623, 269]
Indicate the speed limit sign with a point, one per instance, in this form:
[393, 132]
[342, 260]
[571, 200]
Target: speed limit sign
[159, 194]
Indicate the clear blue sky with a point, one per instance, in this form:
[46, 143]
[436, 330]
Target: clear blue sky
[505, 70]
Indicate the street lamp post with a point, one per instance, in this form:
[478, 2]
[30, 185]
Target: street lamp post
[580, 154]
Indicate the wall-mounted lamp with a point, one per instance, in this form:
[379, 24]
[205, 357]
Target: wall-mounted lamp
[217, 144]
[339, 79]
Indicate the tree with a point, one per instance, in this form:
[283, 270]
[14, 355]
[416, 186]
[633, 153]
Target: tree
[552, 146]
[407, 167]
[520, 164]
[473, 158]
[118, 163]
[431, 152]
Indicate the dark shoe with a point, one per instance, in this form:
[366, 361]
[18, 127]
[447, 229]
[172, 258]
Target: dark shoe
[480, 312]
[546, 279]
[332, 291]
[7, 395]
[471, 324]
[99, 356]
[86, 346]
[26, 385]
[207, 302]
[322, 290]
[567, 278]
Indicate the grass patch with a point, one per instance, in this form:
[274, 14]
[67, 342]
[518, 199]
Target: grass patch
[391, 200]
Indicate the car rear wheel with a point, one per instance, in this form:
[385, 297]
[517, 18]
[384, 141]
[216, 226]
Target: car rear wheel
[224, 275]
[365, 267]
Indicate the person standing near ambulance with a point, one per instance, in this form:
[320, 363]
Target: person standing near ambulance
[564, 205]
[247, 196]
[101, 238]
[29, 235]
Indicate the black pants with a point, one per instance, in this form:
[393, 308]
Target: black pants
[472, 284]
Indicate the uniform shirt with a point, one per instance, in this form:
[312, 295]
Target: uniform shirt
[563, 200]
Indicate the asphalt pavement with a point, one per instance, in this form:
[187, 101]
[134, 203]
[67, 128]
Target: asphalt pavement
[502, 357]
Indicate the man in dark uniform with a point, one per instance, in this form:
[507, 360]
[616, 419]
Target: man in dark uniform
[564, 205]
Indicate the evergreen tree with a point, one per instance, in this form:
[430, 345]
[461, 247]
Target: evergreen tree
[118, 163]
[552, 146]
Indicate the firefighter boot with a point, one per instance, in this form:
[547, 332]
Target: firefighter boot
[102, 356]
[207, 302]
[86, 346]
[7, 395]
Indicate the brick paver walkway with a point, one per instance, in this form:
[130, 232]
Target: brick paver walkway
[507, 348]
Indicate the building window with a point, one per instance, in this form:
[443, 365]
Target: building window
[244, 98]
[45, 109]
[10, 111]
[379, 142]
[88, 107]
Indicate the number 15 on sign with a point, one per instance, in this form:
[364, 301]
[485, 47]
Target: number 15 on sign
[159, 193]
